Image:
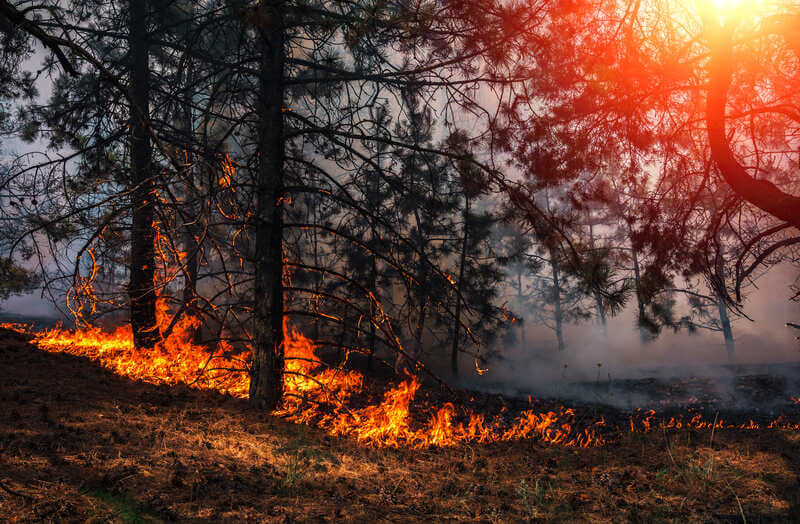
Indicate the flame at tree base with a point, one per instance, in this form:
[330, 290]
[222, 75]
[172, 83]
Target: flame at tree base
[318, 395]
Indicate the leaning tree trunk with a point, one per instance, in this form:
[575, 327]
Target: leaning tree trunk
[266, 373]
[761, 193]
[141, 289]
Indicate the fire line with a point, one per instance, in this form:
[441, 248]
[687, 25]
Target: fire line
[319, 396]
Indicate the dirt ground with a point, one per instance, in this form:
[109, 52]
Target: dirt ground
[78, 443]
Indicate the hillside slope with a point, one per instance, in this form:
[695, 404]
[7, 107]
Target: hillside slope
[80, 443]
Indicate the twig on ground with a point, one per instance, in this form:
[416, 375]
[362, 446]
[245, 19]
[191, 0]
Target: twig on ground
[664, 431]
[738, 502]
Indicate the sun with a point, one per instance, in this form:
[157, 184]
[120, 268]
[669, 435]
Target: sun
[751, 12]
[725, 6]
[727, 11]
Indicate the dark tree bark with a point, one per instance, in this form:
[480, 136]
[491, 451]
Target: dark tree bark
[422, 282]
[372, 284]
[722, 308]
[190, 240]
[402, 362]
[266, 374]
[141, 288]
[190, 243]
[373, 335]
[190, 236]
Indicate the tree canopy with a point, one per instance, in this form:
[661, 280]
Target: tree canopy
[378, 172]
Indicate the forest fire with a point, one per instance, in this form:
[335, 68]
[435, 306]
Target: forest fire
[272, 216]
[314, 394]
[321, 396]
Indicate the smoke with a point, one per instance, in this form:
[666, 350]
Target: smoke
[28, 307]
[613, 366]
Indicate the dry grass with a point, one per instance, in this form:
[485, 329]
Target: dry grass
[79, 443]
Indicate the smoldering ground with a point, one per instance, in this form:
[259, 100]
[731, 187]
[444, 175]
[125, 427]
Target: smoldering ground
[614, 366]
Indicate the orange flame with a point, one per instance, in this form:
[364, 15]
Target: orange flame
[315, 394]
[318, 395]
[228, 171]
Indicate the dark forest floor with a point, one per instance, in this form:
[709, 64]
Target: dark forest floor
[78, 443]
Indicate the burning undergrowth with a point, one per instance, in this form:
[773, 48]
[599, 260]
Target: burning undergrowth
[345, 403]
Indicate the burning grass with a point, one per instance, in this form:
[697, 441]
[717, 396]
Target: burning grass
[337, 401]
[318, 395]
[81, 443]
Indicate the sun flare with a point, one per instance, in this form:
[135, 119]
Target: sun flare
[724, 6]
[741, 11]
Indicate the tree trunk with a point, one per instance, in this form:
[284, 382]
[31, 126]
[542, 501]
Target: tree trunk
[141, 288]
[315, 242]
[639, 302]
[266, 374]
[372, 284]
[601, 312]
[598, 299]
[727, 331]
[761, 193]
[559, 315]
[724, 320]
[373, 336]
[461, 266]
[191, 210]
[520, 296]
[422, 282]
[190, 244]
[420, 331]
[421, 277]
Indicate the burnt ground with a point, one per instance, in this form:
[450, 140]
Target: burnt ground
[763, 391]
[79, 443]
[737, 393]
